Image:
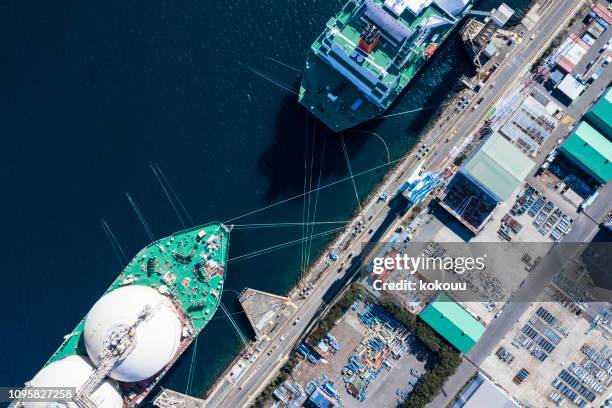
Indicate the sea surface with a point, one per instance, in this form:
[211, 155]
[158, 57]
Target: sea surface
[93, 93]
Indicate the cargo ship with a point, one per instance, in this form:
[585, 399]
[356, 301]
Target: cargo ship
[142, 324]
[369, 52]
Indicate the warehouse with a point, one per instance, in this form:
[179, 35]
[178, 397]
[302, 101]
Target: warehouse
[498, 167]
[600, 115]
[482, 393]
[570, 53]
[530, 125]
[456, 325]
[490, 176]
[590, 151]
[569, 90]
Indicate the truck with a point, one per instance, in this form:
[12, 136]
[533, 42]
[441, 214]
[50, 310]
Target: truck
[596, 74]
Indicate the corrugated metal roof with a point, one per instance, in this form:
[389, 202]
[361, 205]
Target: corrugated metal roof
[571, 52]
[601, 114]
[603, 12]
[591, 149]
[452, 322]
[485, 395]
[502, 14]
[499, 166]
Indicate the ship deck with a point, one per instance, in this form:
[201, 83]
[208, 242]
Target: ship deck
[320, 79]
[190, 264]
[349, 27]
[317, 81]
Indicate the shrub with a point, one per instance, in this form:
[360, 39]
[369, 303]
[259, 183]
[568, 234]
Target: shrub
[445, 359]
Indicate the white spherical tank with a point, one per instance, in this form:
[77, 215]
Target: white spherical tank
[73, 371]
[157, 336]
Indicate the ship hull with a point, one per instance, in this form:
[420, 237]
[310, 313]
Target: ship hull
[193, 286]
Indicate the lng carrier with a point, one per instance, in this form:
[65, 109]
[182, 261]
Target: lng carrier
[369, 52]
[142, 324]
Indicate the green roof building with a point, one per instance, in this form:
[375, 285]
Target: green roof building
[590, 150]
[456, 325]
[498, 167]
[600, 115]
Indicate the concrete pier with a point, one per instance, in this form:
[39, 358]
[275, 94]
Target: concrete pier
[265, 311]
[172, 399]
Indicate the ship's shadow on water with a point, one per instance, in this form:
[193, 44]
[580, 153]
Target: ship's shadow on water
[283, 161]
[447, 85]
[296, 131]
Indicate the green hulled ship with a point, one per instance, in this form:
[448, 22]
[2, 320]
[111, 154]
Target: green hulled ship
[369, 52]
[137, 330]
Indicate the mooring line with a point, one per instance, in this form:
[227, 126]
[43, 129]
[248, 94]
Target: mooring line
[312, 191]
[281, 246]
[121, 258]
[140, 216]
[283, 64]
[350, 169]
[275, 82]
[173, 191]
[412, 111]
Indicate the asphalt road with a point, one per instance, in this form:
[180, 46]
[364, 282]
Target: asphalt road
[257, 375]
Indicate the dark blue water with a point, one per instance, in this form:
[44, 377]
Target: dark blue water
[92, 93]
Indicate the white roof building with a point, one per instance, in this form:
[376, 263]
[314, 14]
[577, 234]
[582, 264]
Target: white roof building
[502, 14]
[415, 6]
[570, 87]
[482, 393]
[397, 7]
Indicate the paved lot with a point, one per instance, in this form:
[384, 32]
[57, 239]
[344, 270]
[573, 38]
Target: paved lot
[535, 389]
[382, 391]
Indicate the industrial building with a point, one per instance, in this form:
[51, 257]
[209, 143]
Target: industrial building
[570, 53]
[590, 151]
[482, 393]
[319, 399]
[600, 115]
[570, 89]
[498, 167]
[453, 322]
[491, 175]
